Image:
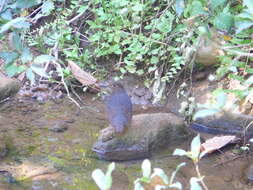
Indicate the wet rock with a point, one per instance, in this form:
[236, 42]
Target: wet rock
[148, 132]
[8, 87]
[225, 124]
[59, 126]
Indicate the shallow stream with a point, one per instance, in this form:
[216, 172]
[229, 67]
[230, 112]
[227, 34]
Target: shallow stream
[42, 158]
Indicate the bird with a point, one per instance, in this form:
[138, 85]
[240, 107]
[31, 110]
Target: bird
[118, 107]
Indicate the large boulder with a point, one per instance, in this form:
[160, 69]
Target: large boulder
[8, 87]
[148, 132]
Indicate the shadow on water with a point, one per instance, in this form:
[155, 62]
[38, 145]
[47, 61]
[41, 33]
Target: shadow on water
[41, 157]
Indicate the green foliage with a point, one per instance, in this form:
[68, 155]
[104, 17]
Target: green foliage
[15, 26]
[103, 181]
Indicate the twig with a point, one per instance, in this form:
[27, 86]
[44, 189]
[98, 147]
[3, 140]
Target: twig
[200, 177]
[65, 85]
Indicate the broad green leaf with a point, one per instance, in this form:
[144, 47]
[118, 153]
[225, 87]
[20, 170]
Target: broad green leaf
[6, 15]
[224, 21]
[179, 7]
[204, 113]
[217, 3]
[30, 75]
[47, 7]
[195, 147]
[26, 3]
[194, 184]
[154, 60]
[138, 7]
[179, 152]
[26, 55]
[43, 59]
[8, 57]
[13, 69]
[12, 23]
[99, 178]
[108, 176]
[22, 24]
[140, 72]
[40, 70]
[197, 8]
[146, 168]
[16, 42]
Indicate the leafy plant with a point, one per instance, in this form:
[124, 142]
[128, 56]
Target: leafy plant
[195, 155]
[151, 179]
[15, 22]
[103, 181]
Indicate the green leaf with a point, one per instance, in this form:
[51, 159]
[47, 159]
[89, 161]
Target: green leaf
[138, 7]
[47, 7]
[26, 3]
[26, 56]
[108, 175]
[179, 7]
[194, 184]
[8, 57]
[43, 59]
[13, 69]
[18, 22]
[6, 15]
[204, 113]
[146, 168]
[197, 8]
[99, 178]
[16, 41]
[179, 152]
[40, 70]
[224, 21]
[154, 60]
[30, 75]
[217, 3]
[195, 147]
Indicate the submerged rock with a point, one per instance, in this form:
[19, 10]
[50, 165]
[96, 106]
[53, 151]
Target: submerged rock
[8, 87]
[148, 132]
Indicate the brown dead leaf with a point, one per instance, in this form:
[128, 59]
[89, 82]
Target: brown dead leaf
[83, 77]
[216, 143]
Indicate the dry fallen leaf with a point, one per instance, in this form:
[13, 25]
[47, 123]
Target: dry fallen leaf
[216, 143]
[83, 77]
